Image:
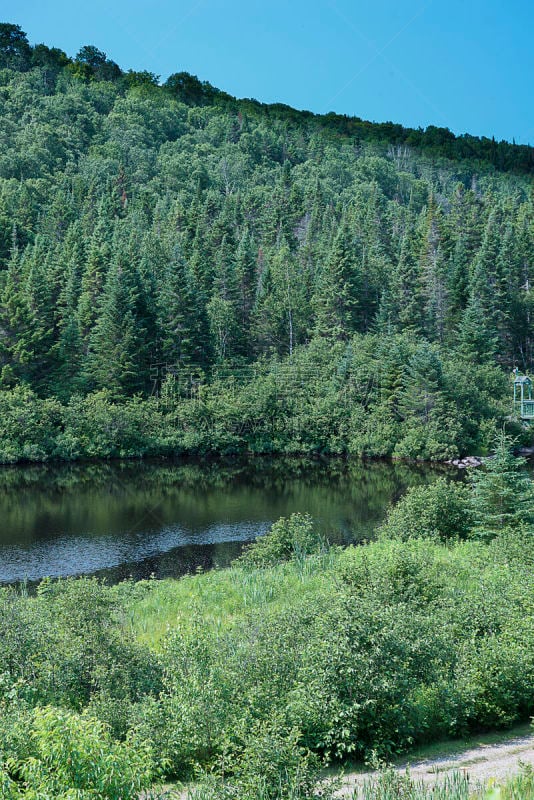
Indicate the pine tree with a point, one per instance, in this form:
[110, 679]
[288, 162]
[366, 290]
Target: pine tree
[510, 318]
[92, 283]
[485, 286]
[476, 341]
[337, 296]
[423, 384]
[502, 491]
[524, 310]
[245, 271]
[69, 345]
[407, 283]
[118, 350]
[224, 305]
[27, 318]
[432, 266]
[181, 316]
[458, 270]
[289, 298]
[374, 266]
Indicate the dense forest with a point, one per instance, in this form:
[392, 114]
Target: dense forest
[182, 271]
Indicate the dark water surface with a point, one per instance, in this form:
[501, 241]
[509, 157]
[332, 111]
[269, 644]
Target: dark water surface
[167, 518]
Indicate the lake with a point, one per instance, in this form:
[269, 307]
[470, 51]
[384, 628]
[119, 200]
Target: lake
[166, 518]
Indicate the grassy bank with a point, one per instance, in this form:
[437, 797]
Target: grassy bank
[250, 680]
[340, 653]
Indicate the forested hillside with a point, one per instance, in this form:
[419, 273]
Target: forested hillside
[181, 271]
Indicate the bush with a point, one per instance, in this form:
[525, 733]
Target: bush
[272, 766]
[287, 539]
[28, 426]
[74, 756]
[440, 511]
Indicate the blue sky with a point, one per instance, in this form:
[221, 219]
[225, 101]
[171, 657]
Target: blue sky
[464, 64]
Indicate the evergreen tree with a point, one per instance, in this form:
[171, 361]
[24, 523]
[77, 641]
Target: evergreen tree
[27, 314]
[502, 491]
[287, 301]
[423, 384]
[432, 266]
[181, 315]
[458, 271]
[485, 286]
[476, 339]
[245, 271]
[118, 351]
[224, 305]
[337, 295]
[92, 283]
[407, 283]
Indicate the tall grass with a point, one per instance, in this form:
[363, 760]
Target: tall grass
[222, 597]
[391, 785]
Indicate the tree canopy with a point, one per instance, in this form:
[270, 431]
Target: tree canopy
[174, 231]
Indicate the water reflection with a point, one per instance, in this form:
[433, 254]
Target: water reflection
[164, 518]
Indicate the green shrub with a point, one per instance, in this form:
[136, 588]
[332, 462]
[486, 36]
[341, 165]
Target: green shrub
[272, 766]
[28, 426]
[287, 539]
[440, 511]
[74, 756]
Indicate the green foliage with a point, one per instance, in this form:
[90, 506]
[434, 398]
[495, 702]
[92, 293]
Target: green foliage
[184, 272]
[502, 492]
[92, 63]
[328, 398]
[288, 539]
[272, 766]
[255, 677]
[313, 284]
[73, 756]
[15, 50]
[441, 511]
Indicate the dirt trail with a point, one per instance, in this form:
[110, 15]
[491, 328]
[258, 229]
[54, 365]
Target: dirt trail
[482, 761]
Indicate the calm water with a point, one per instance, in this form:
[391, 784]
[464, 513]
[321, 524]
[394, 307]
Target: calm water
[166, 518]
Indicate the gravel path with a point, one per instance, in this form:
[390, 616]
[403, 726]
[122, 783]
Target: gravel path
[481, 762]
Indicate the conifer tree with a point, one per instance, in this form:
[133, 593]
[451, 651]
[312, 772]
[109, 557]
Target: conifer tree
[423, 384]
[432, 266]
[118, 351]
[458, 270]
[245, 272]
[407, 283]
[181, 315]
[289, 300]
[92, 283]
[224, 305]
[476, 339]
[485, 285]
[27, 313]
[337, 294]
[502, 491]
